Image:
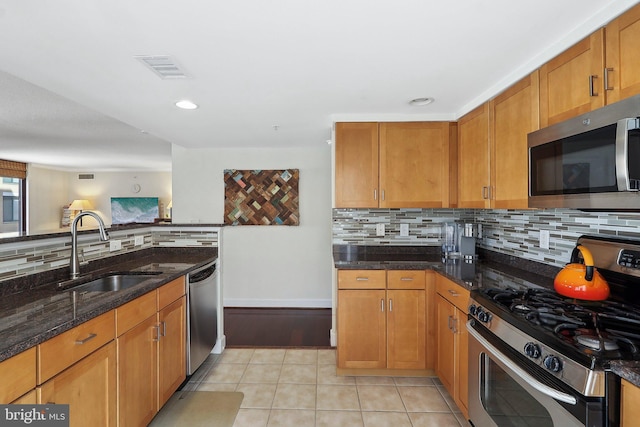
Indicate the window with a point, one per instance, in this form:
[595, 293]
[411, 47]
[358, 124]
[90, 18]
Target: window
[10, 208]
[13, 189]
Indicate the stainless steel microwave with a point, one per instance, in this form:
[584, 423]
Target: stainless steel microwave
[588, 162]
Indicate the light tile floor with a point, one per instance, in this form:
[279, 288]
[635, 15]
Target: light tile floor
[299, 387]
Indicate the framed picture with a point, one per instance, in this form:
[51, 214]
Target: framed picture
[128, 210]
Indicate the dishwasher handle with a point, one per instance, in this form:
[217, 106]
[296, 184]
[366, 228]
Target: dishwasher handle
[203, 274]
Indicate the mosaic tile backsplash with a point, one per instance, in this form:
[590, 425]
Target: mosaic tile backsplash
[36, 256]
[511, 232]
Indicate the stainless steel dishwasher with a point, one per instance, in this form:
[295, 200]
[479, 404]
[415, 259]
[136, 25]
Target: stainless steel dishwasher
[202, 315]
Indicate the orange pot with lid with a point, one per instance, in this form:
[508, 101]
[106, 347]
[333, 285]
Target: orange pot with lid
[581, 281]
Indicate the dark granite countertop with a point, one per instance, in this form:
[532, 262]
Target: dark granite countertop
[488, 269]
[627, 369]
[33, 310]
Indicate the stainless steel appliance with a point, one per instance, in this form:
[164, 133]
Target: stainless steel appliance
[588, 162]
[537, 358]
[202, 315]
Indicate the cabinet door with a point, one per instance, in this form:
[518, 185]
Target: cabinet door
[137, 374]
[473, 159]
[445, 361]
[356, 165]
[406, 329]
[623, 56]
[89, 387]
[18, 375]
[572, 83]
[629, 408]
[361, 329]
[414, 165]
[462, 359]
[514, 115]
[171, 349]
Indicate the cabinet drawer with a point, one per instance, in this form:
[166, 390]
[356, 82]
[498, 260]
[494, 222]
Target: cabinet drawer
[170, 292]
[62, 351]
[362, 279]
[406, 279]
[18, 375]
[454, 293]
[134, 312]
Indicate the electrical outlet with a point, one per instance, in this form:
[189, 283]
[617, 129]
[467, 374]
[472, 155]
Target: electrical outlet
[544, 239]
[404, 230]
[139, 240]
[115, 245]
[380, 230]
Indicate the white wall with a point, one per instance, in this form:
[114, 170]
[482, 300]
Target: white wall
[47, 193]
[49, 190]
[106, 185]
[263, 266]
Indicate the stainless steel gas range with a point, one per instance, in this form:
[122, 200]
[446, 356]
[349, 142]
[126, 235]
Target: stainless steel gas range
[539, 359]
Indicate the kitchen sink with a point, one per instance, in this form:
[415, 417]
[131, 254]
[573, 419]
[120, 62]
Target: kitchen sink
[112, 283]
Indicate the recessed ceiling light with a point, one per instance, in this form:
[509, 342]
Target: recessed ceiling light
[421, 101]
[185, 104]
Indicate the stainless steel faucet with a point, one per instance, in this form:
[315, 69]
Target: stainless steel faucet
[104, 236]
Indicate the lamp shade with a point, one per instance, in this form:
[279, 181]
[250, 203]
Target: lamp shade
[80, 205]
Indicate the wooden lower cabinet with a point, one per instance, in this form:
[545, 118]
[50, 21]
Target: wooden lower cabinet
[172, 362]
[137, 367]
[18, 375]
[151, 352]
[28, 399]
[89, 387]
[362, 336]
[382, 328]
[452, 340]
[629, 408]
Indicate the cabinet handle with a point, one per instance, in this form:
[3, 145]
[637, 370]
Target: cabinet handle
[87, 339]
[606, 78]
[361, 279]
[157, 328]
[406, 279]
[390, 305]
[449, 323]
[454, 329]
[164, 328]
[486, 192]
[453, 293]
[382, 305]
[592, 90]
[375, 194]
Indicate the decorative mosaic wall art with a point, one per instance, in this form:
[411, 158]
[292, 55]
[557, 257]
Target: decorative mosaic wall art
[261, 197]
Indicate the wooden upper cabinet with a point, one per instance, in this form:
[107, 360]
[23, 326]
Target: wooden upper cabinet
[514, 114]
[572, 83]
[356, 166]
[623, 56]
[473, 159]
[392, 165]
[414, 165]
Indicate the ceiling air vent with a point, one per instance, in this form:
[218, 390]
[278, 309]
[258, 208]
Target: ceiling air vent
[85, 176]
[163, 65]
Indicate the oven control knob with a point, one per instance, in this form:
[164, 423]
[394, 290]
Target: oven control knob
[553, 363]
[532, 350]
[483, 316]
[473, 309]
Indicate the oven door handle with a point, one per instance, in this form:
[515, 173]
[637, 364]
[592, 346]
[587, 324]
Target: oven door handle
[542, 388]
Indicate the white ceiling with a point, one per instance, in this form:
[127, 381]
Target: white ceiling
[264, 73]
